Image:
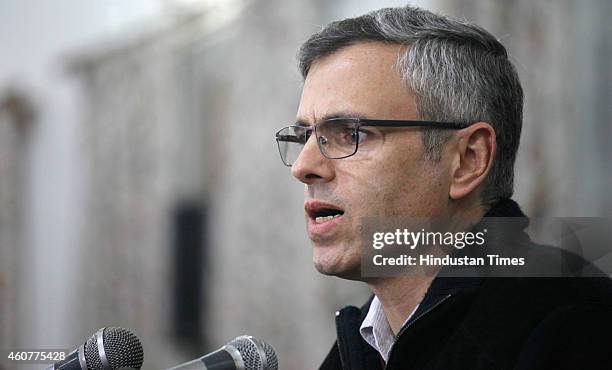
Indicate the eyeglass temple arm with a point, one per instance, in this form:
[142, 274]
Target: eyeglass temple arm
[394, 123]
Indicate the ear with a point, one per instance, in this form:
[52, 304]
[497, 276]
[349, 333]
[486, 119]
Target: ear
[473, 158]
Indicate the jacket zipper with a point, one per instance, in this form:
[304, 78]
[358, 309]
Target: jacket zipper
[340, 342]
[403, 330]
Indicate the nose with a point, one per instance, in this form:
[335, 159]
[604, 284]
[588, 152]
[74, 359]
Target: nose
[311, 166]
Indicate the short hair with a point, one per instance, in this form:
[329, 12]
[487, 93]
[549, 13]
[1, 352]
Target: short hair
[457, 72]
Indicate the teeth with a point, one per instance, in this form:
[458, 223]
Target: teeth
[322, 219]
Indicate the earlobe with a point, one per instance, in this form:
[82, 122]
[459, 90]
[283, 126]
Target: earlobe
[474, 157]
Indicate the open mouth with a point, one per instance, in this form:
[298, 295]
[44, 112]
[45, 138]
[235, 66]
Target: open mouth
[321, 213]
[327, 214]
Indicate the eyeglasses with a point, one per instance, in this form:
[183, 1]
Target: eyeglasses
[340, 137]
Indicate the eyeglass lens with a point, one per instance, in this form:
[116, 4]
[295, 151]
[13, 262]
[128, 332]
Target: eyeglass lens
[336, 139]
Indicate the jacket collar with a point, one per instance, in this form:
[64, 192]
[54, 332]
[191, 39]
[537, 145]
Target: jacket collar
[442, 287]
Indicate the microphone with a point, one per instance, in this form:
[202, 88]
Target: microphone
[109, 348]
[242, 353]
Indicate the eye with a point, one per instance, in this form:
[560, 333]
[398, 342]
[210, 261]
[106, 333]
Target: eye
[363, 136]
[349, 135]
[346, 135]
[339, 133]
[352, 136]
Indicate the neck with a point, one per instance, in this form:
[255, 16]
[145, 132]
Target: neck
[399, 296]
[466, 212]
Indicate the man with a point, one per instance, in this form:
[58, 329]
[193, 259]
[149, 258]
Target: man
[408, 113]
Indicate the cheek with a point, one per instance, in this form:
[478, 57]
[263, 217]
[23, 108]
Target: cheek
[408, 188]
[424, 193]
[375, 188]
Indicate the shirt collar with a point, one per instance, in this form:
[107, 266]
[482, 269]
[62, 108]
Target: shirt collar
[376, 331]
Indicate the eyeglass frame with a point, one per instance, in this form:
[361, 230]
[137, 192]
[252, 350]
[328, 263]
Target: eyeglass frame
[359, 122]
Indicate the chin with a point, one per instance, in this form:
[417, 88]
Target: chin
[337, 264]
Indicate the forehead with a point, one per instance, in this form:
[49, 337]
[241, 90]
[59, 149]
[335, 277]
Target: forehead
[361, 79]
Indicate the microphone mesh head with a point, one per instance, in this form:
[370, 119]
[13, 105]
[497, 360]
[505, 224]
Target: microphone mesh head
[122, 348]
[270, 356]
[250, 348]
[92, 356]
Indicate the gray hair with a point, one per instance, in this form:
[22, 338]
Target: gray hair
[457, 71]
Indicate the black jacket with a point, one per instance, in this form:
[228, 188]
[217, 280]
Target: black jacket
[492, 323]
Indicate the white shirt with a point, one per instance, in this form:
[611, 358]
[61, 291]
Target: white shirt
[375, 329]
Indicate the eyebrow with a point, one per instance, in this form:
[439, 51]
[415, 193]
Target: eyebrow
[335, 115]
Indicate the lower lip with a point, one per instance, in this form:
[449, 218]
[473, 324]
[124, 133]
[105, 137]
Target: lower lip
[315, 229]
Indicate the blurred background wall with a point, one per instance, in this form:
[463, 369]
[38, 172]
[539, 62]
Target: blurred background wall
[140, 184]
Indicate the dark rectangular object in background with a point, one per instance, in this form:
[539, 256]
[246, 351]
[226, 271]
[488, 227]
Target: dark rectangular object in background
[189, 224]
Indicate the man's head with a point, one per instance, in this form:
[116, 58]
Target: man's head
[404, 64]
